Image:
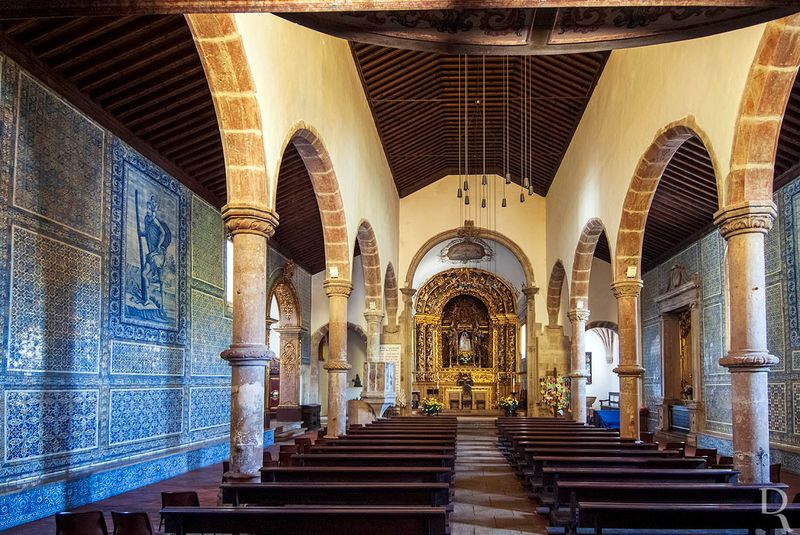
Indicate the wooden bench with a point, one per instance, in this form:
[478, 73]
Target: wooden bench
[337, 493]
[373, 459]
[365, 448]
[400, 474]
[398, 442]
[327, 520]
[600, 516]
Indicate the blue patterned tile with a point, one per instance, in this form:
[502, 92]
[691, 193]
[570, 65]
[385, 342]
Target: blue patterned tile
[209, 406]
[713, 338]
[41, 423]
[772, 248]
[58, 164]
[650, 290]
[651, 344]
[144, 359]
[711, 248]
[776, 342]
[144, 413]
[776, 394]
[208, 244]
[790, 235]
[148, 277]
[213, 338]
[54, 306]
[718, 404]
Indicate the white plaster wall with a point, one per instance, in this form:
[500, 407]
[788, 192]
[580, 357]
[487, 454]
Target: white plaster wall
[356, 356]
[435, 209]
[602, 303]
[356, 303]
[303, 75]
[604, 380]
[641, 91]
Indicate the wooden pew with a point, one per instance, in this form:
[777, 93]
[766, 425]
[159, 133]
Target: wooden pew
[407, 474]
[556, 474]
[397, 436]
[528, 447]
[381, 442]
[601, 516]
[373, 459]
[366, 448]
[531, 456]
[337, 493]
[325, 520]
[570, 493]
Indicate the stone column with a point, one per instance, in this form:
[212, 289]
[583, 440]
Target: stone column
[530, 349]
[408, 341]
[250, 227]
[630, 369]
[744, 227]
[374, 323]
[578, 375]
[289, 408]
[338, 292]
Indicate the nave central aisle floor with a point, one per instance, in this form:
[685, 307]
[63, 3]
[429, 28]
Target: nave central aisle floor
[488, 497]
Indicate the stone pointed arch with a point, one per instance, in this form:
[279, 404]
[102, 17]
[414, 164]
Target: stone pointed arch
[322, 332]
[288, 302]
[234, 94]
[554, 288]
[642, 190]
[371, 264]
[390, 300]
[483, 233]
[758, 127]
[582, 265]
[316, 158]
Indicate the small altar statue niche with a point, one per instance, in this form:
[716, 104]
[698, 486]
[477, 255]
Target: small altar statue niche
[466, 341]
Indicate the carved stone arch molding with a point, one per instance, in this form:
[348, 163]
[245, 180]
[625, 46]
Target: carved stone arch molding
[554, 289]
[497, 294]
[320, 334]
[285, 293]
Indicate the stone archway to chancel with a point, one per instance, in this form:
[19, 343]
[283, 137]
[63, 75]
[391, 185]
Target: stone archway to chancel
[466, 333]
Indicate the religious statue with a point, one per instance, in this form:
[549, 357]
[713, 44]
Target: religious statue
[357, 382]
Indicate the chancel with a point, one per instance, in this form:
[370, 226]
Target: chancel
[350, 268]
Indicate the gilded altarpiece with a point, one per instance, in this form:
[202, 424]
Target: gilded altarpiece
[466, 333]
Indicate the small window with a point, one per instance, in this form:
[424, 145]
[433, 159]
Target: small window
[523, 342]
[229, 271]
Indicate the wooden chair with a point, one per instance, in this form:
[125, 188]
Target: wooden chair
[611, 403]
[710, 455]
[88, 523]
[131, 523]
[187, 498]
[775, 473]
[267, 456]
[725, 460]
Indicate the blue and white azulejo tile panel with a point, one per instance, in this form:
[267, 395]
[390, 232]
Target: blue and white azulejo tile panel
[146, 359]
[211, 340]
[209, 406]
[148, 278]
[137, 414]
[208, 244]
[54, 306]
[58, 167]
[41, 423]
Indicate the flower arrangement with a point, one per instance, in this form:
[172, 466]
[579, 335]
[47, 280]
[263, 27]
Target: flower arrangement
[431, 405]
[555, 393]
[508, 404]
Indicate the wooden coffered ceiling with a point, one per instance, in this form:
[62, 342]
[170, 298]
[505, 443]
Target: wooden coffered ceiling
[416, 101]
[787, 157]
[138, 76]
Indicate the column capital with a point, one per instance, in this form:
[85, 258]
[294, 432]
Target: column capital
[629, 370]
[530, 291]
[753, 361]
[408, 293]
[336, 366]
[578, 314]
[746, 218]
[337, 287]
[249, 218]
[578, 374]
[627, 288]
[248, 355]
[373, 315]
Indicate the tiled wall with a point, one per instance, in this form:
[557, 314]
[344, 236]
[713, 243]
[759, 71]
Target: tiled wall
[113, 312]
[707, 257]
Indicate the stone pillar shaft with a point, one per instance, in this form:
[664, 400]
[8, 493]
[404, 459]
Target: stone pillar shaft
[250, 226]
[532, 357]
[338, 292]
[744, 227]
[578, 375]
[408, 338]
[630, 370]
[374, 323]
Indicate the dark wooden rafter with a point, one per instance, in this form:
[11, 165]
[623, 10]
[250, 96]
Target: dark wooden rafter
[140, 77]
[416, 103]
[683, 205]
[787, 157]
[67, 8]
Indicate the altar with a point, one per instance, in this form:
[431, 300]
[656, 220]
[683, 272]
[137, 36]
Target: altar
[466, 339]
